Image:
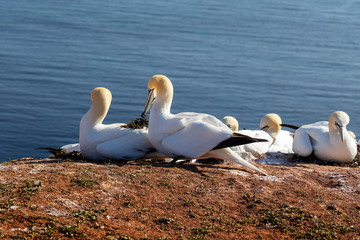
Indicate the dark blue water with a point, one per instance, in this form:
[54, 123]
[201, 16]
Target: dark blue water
[300, 59]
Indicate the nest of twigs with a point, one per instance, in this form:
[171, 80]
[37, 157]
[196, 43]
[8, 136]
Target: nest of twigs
[72, 155]
[138, 123]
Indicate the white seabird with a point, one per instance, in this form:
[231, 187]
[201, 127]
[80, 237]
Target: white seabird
[100, 142]
[249, 151]
[188, 135]
[328, 140]
[283, 140]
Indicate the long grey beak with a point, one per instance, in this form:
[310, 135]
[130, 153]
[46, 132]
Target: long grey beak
[149, 101]
[341, 130]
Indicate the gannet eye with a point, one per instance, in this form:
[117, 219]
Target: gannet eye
[337, 125]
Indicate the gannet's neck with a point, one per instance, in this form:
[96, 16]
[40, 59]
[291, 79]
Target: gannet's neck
[274, 131]
[95, 115]
[101, 98]
[162, 104]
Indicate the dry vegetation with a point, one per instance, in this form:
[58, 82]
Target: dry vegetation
[63, 199]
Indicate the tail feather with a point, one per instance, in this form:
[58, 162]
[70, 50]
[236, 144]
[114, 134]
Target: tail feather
[238, 139]
[54, 151]
[228, 154]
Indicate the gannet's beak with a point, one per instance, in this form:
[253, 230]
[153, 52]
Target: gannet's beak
[341, 130]
[150, 100]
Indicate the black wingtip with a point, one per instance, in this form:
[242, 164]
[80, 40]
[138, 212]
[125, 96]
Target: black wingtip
[289, 126]
[260, 140]
[238, 139]
[52, 150]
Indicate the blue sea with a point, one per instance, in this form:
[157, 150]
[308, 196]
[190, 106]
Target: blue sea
[300, 59]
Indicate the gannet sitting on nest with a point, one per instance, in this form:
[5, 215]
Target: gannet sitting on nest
[189, 135]
[328, 140]
[100, 142]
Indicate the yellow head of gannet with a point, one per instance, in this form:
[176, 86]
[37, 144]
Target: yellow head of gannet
[271, 123]
[231, 122]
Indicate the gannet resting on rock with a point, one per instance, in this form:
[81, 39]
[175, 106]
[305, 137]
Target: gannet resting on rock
[189, 135]
[329, 140]
[253, 150]
[100, 142]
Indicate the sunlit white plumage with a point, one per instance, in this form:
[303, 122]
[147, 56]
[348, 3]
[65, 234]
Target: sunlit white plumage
[99, 141]
[189, 135]
[252, 150]
[328, 140]
[283, 140]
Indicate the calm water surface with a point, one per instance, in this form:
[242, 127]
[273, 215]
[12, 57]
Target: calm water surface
[300, 59]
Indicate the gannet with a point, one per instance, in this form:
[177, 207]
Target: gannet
[189, 134]
[328, 140]
[100, 142]
[283, 140]
[253, 150]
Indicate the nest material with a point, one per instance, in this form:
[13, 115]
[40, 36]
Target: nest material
[72, 155]
[138, 123]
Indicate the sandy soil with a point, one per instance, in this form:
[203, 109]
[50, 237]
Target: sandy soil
[61, 199]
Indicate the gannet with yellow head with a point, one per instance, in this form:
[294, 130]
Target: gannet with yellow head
[328, 140]
[188, 135]
[282, 139]
[99, 141]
